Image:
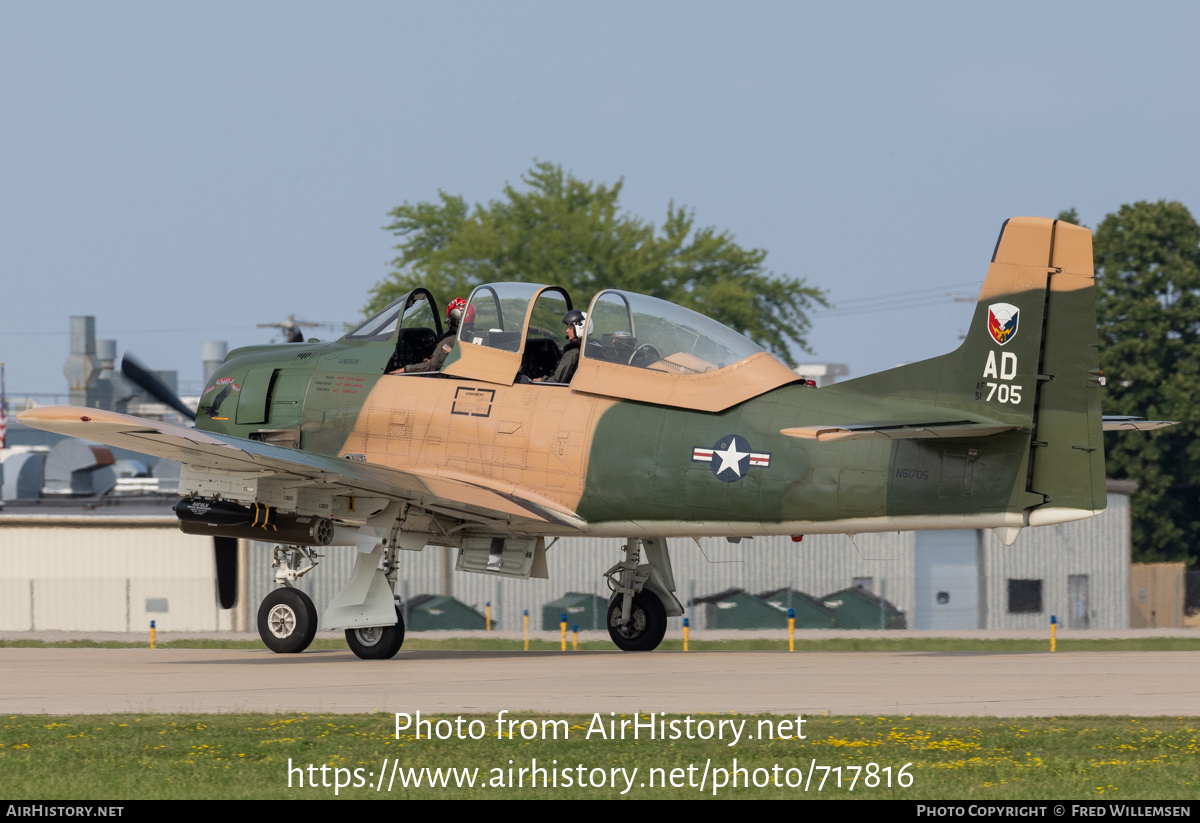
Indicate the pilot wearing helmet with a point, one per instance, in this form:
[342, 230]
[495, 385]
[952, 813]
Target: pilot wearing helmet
[445, 344]
[576, 322]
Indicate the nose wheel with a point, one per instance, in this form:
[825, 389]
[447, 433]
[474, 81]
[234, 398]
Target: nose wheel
[287, 621]
[647, 623]
[377, 642]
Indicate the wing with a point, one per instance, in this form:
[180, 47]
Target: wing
[469, 496]
[896, 431]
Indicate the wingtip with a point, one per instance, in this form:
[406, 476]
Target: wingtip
[57, 414]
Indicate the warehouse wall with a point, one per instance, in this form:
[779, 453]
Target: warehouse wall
[105, 574]
[114, 578]
[820, 564]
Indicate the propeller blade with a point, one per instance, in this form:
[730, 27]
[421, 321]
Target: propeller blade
[225, 552]
[135, 373]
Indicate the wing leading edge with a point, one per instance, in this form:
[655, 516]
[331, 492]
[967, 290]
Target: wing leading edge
[471, 496]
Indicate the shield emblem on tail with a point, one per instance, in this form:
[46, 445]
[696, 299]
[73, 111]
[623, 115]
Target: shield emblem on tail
[1002, 322]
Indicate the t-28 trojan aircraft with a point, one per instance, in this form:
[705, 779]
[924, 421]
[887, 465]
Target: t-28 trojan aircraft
[672, 426]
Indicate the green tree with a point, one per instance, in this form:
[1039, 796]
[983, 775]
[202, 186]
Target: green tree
[1148, 275]
[564, 231]
[1069, 216]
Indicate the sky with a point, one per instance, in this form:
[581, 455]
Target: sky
[184, 171]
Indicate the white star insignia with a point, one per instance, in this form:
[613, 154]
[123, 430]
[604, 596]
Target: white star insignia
[731, 458]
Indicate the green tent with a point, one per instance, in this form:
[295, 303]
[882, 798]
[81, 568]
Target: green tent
[738, 609]
[810, 611]
[433, 612]
[585, 610]
[857, 608]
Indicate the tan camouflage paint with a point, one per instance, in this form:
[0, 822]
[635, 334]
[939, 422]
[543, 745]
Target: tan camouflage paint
[533, 436]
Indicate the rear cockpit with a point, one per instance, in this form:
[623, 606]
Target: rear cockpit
[647, 333]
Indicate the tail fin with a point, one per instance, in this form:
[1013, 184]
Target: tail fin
[1030, 359]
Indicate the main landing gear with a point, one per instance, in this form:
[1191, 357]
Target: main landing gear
[377, 642]
[646, 626]
[365, 607]
[643, 596]
[287, 621]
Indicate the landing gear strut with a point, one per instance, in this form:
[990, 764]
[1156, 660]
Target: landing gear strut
[287, 621]
[365, 607]
[643, 596]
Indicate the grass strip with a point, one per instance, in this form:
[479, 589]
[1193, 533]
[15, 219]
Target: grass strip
[253, 756]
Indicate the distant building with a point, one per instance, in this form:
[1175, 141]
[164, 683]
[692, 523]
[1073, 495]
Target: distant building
[112, 568]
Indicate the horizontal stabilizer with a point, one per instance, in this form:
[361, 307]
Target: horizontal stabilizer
[1117, 423]
[896, 431]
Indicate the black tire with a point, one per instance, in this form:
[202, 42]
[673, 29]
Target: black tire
[287, 621]
[377, 642]
[647, 623]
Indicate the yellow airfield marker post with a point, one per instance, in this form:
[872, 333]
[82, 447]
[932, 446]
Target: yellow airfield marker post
[685, 634]
[527, 630]
[791, 629]
[562, 624]
[152, 634]
[1053, 627]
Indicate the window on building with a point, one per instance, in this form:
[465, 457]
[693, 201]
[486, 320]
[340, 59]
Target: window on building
[1024, 596]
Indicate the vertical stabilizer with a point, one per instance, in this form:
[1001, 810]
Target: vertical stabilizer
[1030, 359]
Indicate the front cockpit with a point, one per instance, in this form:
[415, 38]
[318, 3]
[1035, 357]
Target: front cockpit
[408, 327]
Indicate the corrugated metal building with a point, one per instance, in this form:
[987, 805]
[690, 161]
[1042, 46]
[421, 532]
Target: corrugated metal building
[1081, 570]
[71, 572]
[103, 572]
[1157, 594]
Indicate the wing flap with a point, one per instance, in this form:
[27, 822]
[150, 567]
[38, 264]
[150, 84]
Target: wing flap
[472, 496]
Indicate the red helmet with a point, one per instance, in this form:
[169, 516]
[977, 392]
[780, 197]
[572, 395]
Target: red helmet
[454, 310]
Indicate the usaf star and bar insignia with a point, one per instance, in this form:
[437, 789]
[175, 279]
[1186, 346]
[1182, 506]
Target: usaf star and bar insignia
[731, 458]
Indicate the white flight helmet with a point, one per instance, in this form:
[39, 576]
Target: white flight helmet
[578, 319]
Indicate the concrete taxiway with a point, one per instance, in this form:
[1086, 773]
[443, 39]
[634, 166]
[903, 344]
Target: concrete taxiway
[79, 681]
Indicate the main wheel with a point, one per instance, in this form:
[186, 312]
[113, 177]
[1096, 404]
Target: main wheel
[377, 642]
[646, 627]
[287, 621]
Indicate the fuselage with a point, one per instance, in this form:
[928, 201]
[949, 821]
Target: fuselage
[625, 467]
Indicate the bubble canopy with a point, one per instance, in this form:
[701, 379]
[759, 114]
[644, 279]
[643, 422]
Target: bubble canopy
[642, 348]
[649, 333]
[635, 347]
